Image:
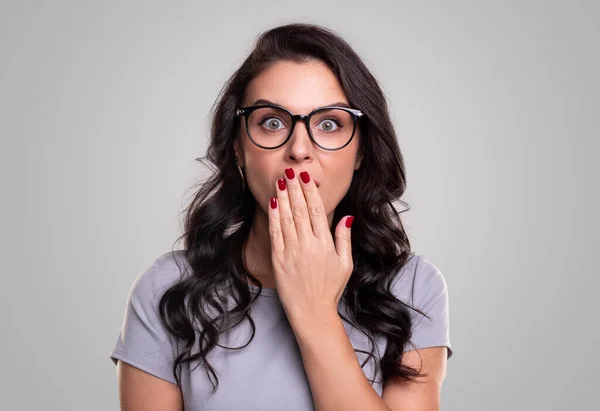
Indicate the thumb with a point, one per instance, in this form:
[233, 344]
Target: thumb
[343, 243]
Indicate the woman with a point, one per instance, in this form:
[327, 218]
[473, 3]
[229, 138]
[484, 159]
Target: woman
[296, 288]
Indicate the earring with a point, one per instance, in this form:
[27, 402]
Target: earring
[241, 174]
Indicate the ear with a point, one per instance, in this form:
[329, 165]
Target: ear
[358, 162]
[359, 155]
[238, 154]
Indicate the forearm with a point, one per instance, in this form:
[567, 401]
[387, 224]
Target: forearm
[336, 378]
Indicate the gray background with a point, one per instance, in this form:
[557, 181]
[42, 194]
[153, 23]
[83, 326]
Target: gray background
[104, 106]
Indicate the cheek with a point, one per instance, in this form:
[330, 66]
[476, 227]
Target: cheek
[259, 173]
[336, 188]
[256, 177]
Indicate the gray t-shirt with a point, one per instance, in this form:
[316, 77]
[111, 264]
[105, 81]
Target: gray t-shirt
[268, 373]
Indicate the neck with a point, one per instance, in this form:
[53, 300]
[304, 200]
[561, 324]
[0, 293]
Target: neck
[257, 250]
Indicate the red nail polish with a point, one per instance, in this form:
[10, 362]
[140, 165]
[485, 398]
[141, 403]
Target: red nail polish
[305, 177]
[281, 183]
[349, 221]
[273, 202]
[289, 173]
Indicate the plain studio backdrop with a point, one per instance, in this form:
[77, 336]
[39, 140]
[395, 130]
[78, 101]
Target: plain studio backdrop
[104, 106]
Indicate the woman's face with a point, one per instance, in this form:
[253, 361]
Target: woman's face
[299, 87]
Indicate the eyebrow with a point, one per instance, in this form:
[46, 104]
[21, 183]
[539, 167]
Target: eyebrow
[263, 101]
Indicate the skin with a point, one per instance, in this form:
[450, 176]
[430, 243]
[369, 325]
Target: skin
[141, 391]
[288, 249]
[299, 87]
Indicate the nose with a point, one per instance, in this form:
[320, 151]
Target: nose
[300, 146]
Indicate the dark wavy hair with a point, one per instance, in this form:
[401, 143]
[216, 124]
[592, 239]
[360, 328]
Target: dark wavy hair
[219, 217]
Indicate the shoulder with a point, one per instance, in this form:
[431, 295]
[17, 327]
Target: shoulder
[419, 281]
[423, 286]
[156, 278]
[144, 340]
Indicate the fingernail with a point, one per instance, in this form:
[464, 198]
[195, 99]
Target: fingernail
[349, 221]
[281, 183]
[289, 173]
[273, 202]
[305, 177]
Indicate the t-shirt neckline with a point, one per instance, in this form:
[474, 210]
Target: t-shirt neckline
[270, 292]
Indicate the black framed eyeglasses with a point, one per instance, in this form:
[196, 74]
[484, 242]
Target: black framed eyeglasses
[270, 126]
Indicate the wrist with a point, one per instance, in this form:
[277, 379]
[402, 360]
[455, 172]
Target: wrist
[317, 318]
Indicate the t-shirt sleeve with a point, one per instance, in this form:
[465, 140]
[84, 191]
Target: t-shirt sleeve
[143, 341]
[426, 289]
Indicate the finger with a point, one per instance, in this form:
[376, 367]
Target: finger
[298, 207]
[343, 242]
[316, 209]
[286, 220]
[277, 242]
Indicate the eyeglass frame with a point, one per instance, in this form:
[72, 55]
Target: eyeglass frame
[246, 111]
